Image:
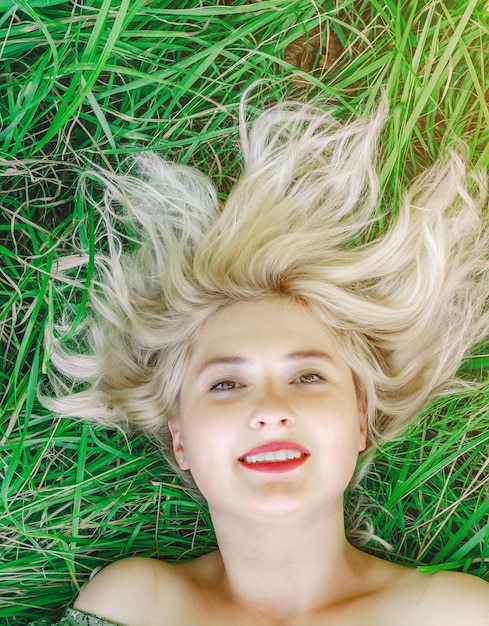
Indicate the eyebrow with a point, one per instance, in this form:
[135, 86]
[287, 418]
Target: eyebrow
[222, 360]
[292, 356]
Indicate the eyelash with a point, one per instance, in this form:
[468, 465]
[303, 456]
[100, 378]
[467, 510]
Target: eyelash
[223, 382]
[319, 377]
[237, 385]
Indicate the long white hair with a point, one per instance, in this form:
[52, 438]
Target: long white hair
[404, 288]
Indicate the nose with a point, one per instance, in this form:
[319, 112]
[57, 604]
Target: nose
[271, 410]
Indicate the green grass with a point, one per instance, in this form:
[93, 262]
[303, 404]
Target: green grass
[93, 81]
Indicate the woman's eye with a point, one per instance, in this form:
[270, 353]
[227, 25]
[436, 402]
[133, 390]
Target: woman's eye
[226, 385]
[309, 378]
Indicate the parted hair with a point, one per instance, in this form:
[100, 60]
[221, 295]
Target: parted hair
[403, 288]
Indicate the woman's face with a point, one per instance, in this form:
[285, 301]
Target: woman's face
[265, 377]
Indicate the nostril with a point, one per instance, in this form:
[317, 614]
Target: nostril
[271, 414]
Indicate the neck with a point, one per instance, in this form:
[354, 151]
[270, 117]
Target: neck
[287, 566]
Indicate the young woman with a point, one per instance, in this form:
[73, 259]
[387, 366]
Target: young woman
[269, 344]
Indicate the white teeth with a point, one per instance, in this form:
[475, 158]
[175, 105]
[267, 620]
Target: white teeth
[271, 457]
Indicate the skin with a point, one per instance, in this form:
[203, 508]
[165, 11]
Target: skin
[260, 372]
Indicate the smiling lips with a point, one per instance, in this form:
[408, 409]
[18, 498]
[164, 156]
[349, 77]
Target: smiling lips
[275, 457]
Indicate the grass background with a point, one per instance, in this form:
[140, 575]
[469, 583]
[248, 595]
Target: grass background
[90, 81]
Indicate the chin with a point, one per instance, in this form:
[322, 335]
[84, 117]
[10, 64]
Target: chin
[279, 502]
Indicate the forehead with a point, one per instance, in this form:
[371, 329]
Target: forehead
[272, 323]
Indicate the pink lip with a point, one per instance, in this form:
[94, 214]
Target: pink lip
[275, 467]
[273, 446]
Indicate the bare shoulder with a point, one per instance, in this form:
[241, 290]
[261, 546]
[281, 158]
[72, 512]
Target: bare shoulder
[127, 591]
[440, 599]
[455, 598]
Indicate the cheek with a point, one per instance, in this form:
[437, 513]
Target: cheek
[206, 439]
[212, 445]
[343, 429]
[343, 455]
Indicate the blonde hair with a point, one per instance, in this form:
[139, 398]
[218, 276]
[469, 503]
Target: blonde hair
[404, 288]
